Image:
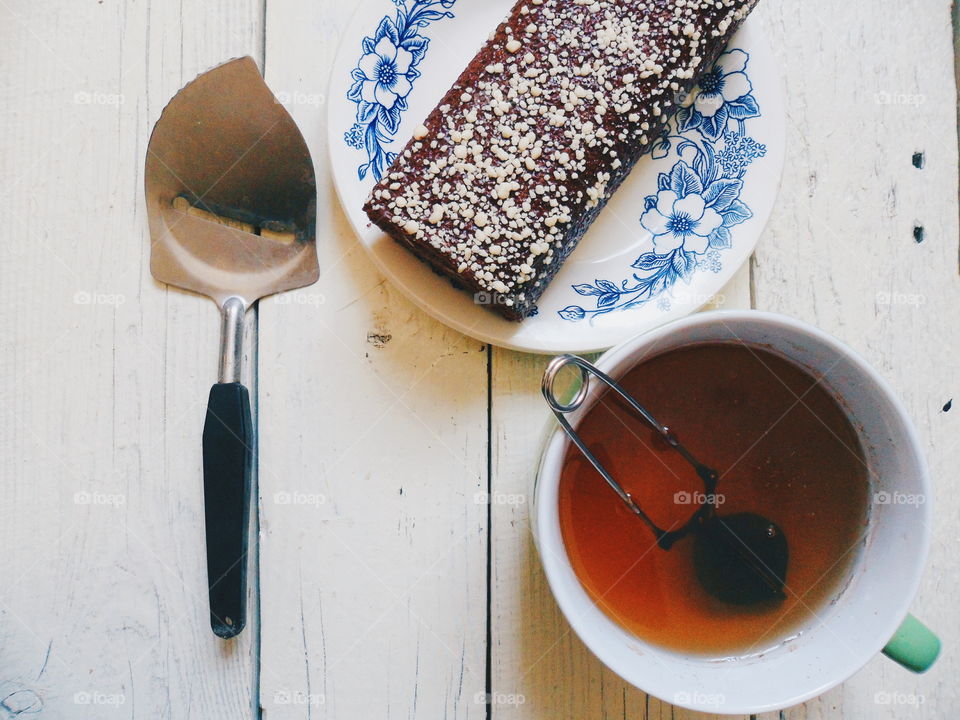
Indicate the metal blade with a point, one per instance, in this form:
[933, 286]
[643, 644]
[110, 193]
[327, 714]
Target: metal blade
[224, 146]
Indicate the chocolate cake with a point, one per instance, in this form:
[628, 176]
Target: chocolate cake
[502, 179]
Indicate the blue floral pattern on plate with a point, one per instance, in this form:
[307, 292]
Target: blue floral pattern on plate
[384, 76]
[697, 202]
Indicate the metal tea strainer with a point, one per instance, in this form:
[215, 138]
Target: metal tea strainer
[739, 558]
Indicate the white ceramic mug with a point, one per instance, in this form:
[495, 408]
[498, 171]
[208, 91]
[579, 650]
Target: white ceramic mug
[870, 612]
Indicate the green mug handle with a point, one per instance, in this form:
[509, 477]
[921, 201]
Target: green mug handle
[913, 645]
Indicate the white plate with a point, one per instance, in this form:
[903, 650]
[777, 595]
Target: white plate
[617, 282]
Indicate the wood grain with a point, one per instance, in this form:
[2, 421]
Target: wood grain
[103, 607]
[373, 465]
[843, 251]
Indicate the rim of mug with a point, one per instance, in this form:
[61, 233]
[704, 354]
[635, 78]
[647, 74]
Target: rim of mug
[556, 442]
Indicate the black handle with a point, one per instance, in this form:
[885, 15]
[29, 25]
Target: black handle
[228, 442]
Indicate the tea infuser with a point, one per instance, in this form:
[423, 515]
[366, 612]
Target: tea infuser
[740, 558]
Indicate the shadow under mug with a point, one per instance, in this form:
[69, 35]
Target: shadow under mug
[868, 615]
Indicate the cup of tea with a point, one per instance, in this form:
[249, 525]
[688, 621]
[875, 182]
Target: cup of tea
[743, 524]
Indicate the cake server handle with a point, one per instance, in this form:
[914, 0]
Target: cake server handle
[228, 456]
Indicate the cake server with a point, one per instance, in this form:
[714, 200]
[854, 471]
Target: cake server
[231, 203]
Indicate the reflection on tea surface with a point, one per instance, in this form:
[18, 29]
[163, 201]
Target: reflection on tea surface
[784, 449]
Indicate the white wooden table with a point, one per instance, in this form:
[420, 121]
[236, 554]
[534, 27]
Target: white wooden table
[385, 585]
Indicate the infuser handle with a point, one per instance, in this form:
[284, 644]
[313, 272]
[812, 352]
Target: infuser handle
[665, 538]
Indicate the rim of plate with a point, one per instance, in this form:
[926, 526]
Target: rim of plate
[422, 286]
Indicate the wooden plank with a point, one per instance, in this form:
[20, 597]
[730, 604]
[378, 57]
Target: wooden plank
[373, 452]
[539, 666]
[849, 183]
[865, 93]
[104, 374]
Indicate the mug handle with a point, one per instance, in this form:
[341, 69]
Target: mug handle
[914, 645]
